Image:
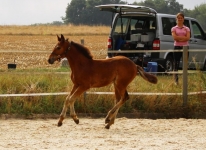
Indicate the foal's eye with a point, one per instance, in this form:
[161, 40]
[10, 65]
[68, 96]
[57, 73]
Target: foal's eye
[58, 47]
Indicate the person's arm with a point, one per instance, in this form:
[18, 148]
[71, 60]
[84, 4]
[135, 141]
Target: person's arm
[181, 38]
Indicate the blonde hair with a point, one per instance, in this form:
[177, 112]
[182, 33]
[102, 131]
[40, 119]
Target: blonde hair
[180, 14]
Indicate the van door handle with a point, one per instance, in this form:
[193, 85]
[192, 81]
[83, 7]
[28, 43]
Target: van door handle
[195, 41]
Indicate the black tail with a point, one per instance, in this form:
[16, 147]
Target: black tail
[149, 77]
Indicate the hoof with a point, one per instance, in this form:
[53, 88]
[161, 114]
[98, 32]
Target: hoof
[59, 124]
[76, 121]
[107, 126]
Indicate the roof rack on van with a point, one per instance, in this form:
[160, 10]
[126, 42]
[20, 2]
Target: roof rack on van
[116, 8]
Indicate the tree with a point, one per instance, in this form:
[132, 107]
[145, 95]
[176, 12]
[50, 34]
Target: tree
[202, 15]
[198, 13]
[163, 6]
[94, 14]
[174, 7]
[75, 11]
[84, 12]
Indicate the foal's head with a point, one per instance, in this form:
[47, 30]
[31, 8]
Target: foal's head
[63, 47]
[59, 50]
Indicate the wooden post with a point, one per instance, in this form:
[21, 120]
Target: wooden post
[185, 67]
[82, 41]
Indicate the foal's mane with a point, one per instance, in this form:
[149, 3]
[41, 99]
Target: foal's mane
[85, 51]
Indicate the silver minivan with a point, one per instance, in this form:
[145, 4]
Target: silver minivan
[142, 28]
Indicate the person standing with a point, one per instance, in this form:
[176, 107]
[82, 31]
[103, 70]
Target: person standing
[181, 36]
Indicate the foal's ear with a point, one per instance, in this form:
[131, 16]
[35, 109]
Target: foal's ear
[67, 39]
[62, 38]
[58, 38]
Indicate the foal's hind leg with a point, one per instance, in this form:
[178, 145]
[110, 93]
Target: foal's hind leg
[110, 121]
[113, 112]
[118, 98]
[76, 92]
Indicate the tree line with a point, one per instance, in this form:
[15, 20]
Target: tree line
[83, 12]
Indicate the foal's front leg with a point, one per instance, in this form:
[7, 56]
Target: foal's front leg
[76, 92]
[64, 110]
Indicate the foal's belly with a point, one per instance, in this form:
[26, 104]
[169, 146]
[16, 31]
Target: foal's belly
[102, 81]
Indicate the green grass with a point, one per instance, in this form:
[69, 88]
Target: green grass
[58, 80]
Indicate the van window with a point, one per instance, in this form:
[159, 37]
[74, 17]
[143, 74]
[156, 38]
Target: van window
[139, 25]
[136, 24]
[147, 24]
[198, 33]
[186, 23]
[124, 22]
[167, 24]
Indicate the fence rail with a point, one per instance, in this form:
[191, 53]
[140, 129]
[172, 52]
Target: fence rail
[185, 73]
[98, 93]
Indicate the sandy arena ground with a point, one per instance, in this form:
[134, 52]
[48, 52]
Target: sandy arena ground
[90, 134]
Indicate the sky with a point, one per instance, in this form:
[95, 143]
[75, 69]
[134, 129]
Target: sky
[27, 12]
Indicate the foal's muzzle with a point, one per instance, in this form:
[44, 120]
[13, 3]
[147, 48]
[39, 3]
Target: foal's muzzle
[51, 61]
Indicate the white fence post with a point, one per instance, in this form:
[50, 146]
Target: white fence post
[185, 67]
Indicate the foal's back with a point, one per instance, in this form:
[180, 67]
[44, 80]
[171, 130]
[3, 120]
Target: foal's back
[105, 71]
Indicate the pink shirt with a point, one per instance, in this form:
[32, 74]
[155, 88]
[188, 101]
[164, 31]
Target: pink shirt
[180, 32]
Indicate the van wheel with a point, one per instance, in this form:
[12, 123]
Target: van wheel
[169, 64]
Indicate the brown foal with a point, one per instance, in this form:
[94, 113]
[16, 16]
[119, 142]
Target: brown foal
[93, 73]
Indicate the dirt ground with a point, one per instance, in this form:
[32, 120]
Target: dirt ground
[90, 134]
